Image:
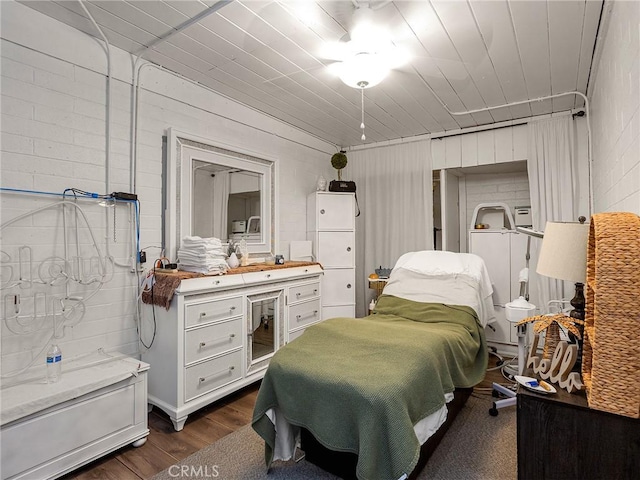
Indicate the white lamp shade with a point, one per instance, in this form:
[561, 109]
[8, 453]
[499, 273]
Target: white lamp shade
[564, 251]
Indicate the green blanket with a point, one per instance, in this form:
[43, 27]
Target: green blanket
[360, 385]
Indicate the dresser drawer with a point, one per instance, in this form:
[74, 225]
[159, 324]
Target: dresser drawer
[220, 337]
[304, 314]
[304, 292]
[215, 310]
[207, 376]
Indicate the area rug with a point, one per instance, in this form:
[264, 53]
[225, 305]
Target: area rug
[477, 446]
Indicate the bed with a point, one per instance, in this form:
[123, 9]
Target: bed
[375, 389]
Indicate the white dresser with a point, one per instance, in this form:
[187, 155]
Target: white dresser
[331, 228]
[221, 331]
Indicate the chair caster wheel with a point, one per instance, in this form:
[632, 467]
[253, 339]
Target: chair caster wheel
[493, 411]
[499, 363]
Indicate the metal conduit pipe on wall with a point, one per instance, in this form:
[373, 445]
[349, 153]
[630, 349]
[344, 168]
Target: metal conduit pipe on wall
[539, 99]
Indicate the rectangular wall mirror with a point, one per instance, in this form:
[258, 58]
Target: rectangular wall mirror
[214, 191]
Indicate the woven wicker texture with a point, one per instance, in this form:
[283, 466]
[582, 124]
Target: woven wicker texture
[611, 349]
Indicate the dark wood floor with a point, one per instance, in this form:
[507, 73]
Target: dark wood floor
[165, 446]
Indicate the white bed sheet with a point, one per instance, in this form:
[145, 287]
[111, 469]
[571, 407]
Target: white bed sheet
[288, 435]
[443, 277]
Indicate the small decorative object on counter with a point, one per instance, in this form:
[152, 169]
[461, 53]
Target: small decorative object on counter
[279, 260]
[558, 357]
[244, 252]
[321, 186]
[270, 260]
[233, 261]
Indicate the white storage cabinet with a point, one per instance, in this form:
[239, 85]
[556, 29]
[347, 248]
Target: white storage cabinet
[503, 252]
[331, 228]
[204, 347]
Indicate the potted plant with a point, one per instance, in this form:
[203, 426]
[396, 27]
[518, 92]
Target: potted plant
[339, 161]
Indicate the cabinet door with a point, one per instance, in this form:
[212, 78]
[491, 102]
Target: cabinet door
[338, 286]
[335, 211]
[336, 249]
[493, 248]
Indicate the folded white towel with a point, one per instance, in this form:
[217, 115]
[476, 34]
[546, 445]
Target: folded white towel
[195, 240]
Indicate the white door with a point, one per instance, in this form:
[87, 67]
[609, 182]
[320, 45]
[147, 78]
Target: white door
[450, 208]
[335, 211]
[336, 249]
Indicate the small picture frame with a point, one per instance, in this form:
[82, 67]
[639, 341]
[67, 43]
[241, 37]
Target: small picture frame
[253, 225]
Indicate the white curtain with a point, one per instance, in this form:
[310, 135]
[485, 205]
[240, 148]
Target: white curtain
[553, 183]
[219, 206]
[394, 191]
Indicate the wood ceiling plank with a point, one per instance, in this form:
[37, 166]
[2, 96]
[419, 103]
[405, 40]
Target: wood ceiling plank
[160, 10]
[565, 33]
[190, 8]
[315, 18]
[531, 29]
[257, 102]
[225, 33]
[460, 26]
[437, 46]
[494, 21]
[133, 15]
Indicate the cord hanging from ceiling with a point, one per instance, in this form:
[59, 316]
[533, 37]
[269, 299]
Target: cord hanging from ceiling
[362, 86]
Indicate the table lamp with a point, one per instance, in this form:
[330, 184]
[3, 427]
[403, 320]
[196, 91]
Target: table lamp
[563, 255]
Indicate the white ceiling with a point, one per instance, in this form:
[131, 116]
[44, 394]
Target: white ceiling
[265, 54]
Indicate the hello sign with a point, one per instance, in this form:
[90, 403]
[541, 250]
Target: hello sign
[558, 368]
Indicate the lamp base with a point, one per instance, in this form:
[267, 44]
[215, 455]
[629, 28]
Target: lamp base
[578, 303]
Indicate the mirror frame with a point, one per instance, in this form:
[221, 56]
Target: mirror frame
[182, 149]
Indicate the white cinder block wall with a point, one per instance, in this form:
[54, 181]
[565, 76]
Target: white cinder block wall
[510, 188]
[53, 137]
[615, 102]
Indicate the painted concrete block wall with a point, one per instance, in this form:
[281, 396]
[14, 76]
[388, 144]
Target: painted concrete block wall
[510, 188]
[615, 110]
[53, 138]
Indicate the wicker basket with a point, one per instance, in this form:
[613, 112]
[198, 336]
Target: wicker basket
[611, 348]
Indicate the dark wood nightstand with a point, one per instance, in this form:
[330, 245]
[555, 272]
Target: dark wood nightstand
[560, 437]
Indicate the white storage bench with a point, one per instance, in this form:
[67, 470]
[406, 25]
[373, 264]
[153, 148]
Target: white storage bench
[49, 430]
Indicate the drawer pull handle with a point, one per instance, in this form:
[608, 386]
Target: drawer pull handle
[232, 308]
[217, 340]
[300, 294]
[217, 282]
[268, 275]
[226, 370]
[322, 211]
[348, 249]
[300, 317]
[348, 285]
